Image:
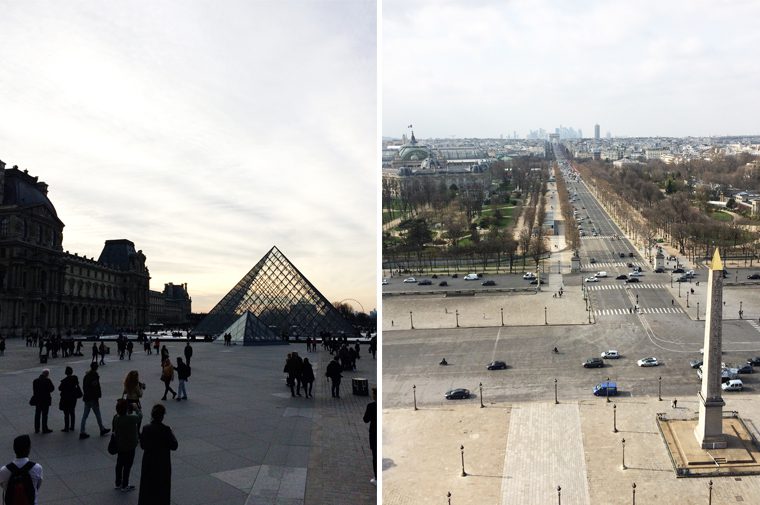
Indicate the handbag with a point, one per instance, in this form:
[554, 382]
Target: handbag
[33, 401]
[78, 392]
[113, 446]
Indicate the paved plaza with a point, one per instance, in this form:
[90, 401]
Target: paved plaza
[242, 439]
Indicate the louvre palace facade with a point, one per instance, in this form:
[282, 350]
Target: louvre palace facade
[46, 290]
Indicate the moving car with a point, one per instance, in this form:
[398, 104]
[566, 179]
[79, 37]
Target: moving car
[754, 361]
[601, 274]
[745, 369]
[679, 271]
[754, 276]
[695, 363]
[606, 388]
[410, 280]
[488, 283]
[385, 282]
[683, 278]
[634, 273]
[732, 385]
[497, 365]
[529, 275]
[621, 277]
[443, 283]
[593, 260]
[622, 255]
[593, 363]
[648, 362]
[457, 394]
[632, 280]
[631, 255]
[611, 354]
[471, 277]
[659, 270]
[425, 282]
[535, 281]
[592, 279]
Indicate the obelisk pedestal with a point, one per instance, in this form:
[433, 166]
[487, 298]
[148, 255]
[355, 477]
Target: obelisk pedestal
[709, 430]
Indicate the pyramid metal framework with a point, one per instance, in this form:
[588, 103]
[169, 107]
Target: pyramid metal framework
[249, 330]
[278, 294]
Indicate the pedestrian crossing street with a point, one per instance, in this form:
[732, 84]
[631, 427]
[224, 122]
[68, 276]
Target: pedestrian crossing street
[642, 310]
[620, 264]
[638, 285]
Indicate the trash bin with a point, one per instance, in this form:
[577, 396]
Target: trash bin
[43, 358]
[360, 386]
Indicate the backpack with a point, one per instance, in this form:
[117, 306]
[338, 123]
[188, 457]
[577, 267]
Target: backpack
[189, 371]
[19, 490]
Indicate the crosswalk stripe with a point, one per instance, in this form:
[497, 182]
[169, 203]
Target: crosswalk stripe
[649, 310]
[625, 286]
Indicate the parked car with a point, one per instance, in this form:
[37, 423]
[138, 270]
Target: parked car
[683, 278]
[621, 277]
[659, 270]
[606, 388]
[611, 354]
[488, 283]
[593, 260]
[454, 276]
[745, 369]
[732, 385]
[648, 362]
[754, 361]
[471, 277]
[632, 280]
[591, 279]
[593, 363]
[457, 394]
[535, 281]
[425, 282]
[754, 276]
[695, 363]
[443, 283]
[410, 280]
[529, 276]
[497, 365]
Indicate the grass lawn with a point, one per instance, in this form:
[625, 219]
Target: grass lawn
[722, 216]
[506, 215]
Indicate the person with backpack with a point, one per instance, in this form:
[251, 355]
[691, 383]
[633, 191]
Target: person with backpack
[167, 376]
[70, 392]
[42, 386]
[21, 479]
[126, 430]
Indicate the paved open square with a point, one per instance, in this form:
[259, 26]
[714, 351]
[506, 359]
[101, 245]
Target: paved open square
[242, 439]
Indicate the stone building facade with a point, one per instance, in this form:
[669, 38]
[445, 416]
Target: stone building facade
[170, 307]
[46, 290]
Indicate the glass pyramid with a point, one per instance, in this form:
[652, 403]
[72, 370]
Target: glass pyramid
[281, 298]
[249, 330]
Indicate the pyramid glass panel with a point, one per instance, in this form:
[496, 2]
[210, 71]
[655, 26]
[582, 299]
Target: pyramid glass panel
[281, 298]
[249, 330]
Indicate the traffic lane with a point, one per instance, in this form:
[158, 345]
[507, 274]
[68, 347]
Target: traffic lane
[510, 281]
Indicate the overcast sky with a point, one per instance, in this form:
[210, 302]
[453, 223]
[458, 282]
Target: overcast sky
[204, 131]
[646, 67]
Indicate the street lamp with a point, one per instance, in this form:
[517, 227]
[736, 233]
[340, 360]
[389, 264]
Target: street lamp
[461, 449]
[607, 390]
[414, 393]
[556, 400]
[623, 442]
[546, 321]
[502, 316]
[741, 312]
[448, 495]
[687, 299]
[559, 495]
[481, 395]
[697, 311]
[411, 321]
[679, 289]
[456, 314]
[614, 419]
[709, 496]
[659, 388]
[634, 493]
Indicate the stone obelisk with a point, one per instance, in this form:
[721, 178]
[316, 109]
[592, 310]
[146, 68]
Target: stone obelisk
[709, 431]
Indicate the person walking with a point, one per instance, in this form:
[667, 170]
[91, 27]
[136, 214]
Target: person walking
[126, 429]
[130, 349]
[370, 416]
[167, 376]
[157, 441]
[13, 475]
[156, 345]
[42, 386]
[95, 352]
[70, 393]
[188, 353]
[2, 346]
[307, 377]
[334, 373]
[102, 352]
[183, 374]
[91, 398]
[164, 353]
[133, 390]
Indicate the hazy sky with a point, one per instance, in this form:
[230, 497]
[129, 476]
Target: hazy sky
[203, 131]
[645, 67]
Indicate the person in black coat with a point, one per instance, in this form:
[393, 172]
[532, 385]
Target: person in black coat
[42, 387]
[334, 373]
[188, 353]
[370, 416]
[307, 377]
[157, 441]
[70, 392]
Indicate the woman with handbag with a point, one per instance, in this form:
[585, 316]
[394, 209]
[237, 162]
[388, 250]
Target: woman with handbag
[133, 389]
[124, 441]
[70, 393]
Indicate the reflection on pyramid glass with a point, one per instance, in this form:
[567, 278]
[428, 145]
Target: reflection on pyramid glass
[280, 298]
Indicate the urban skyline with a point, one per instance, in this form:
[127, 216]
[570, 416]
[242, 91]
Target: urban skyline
[671, 69]
[199, 140]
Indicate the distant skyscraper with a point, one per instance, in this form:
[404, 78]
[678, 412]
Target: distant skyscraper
[596, 132]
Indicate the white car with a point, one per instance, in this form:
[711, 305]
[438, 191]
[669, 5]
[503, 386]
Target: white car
[410, 280]
[648, 362]
[385, 282]
[601, 274]
[732, 385]
[471, 277]
[634, 274]
[611, 354]
[592, 279]
[529, 276]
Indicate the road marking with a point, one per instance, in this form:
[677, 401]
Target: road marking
[493, 354]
